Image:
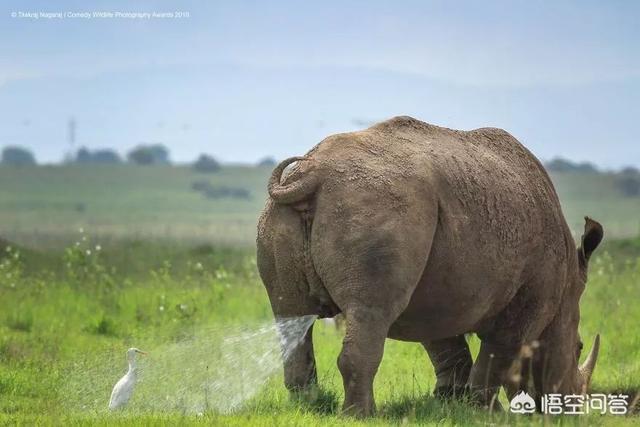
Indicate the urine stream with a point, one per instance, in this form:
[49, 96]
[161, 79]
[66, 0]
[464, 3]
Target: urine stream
[213, 370]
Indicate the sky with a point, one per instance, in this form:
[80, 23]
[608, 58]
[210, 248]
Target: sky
[242, 80]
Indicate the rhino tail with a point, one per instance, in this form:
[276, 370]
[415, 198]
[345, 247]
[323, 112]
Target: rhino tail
[295, 191]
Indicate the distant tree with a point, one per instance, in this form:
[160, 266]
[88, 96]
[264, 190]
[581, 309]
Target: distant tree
[563, 165]
[140, 156]
[586, 167]
[201, 186]
[106, 156]
[103, 156]
[155, 154]
[83, 155]
[267, 161]
[630, 170]
[160, 154]
[629, 185]
[17, 156]
[206, 164]
[220, 191]
[559, 165]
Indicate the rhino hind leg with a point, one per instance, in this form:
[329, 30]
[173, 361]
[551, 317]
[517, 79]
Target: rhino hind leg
[452, 363]
[360, 358]
[371, 266]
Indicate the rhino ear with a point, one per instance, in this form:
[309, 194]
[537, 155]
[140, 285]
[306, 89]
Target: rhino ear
[593, 234]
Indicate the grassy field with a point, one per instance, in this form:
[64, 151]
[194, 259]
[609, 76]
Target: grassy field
[596, 195]
[44, 206]
[63, 333]
[160, 267]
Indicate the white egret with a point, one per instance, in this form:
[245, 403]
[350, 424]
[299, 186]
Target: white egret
[123, 389]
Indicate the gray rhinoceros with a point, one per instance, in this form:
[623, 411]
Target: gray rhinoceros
[421, 233]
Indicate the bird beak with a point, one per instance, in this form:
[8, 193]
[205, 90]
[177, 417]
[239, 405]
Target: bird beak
[144, 353]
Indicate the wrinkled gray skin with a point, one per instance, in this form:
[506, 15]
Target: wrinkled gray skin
[421, 233]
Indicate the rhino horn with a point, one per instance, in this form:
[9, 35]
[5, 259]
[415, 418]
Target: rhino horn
[295, 191]
[589, 365]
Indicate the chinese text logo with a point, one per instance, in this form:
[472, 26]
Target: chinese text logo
[571, 404]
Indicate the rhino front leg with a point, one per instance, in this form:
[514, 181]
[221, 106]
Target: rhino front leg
[300, 366]
[452, 363]
[489, 373]
[360, 358]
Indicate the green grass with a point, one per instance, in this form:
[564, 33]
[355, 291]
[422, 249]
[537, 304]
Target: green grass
[175, 272]
[45, 206]
[63, 333]
[596, 195]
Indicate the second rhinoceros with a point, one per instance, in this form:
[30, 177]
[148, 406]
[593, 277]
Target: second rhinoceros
[421, 233]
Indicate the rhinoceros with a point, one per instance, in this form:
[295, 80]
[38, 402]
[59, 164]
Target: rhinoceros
[420, 233]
